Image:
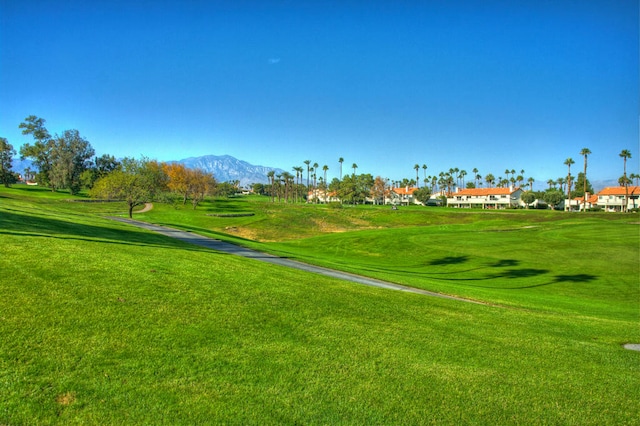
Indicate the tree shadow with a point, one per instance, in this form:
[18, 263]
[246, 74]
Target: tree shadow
[449, 260]
[505, 263]
[510, 273]
[558, 279]
[26, 225]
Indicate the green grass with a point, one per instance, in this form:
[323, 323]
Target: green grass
[102, 323]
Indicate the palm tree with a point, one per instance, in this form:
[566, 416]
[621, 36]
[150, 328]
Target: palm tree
[424, 170]
[307, 162]
[417, 167]
[278, 177]
[463, 173]
[340, 160]
[568, 162]
[631, 176]
[287, 177]
[561, 181]
[490, 179]
[531, 180]
[551, 183]
[299, 170]
[625, 153]
[585, 152]
[476, 176]
[354, 166]
[270, 175]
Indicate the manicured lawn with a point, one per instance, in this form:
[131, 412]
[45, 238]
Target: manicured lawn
[102, 323]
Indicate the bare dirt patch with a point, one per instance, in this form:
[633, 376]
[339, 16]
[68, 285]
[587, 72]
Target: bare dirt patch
[245, 233]
[66, 398]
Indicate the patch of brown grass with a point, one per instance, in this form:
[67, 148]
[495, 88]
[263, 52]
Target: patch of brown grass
[66, 398]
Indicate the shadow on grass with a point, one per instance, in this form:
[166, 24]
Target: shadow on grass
[25, 225]
[223, 205]
[509, 274]
[449, 260]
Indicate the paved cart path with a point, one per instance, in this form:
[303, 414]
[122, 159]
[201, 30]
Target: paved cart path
[229, 248]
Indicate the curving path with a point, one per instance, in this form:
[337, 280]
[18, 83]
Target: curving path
[229, 248]
[146, 208]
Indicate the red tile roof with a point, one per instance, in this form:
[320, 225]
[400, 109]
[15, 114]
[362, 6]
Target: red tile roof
[478, 192]
[619, 190]
[593, 199]
[405, 190]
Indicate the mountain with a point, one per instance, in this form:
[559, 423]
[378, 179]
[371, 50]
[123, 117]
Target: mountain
[227, 168]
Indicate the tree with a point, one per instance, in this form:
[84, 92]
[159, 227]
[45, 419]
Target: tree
[568, 162]
[7, 176]
[378, 190]
[417, 168]
[625, 153]
[40, 151]
[227, 189]
[137, 182]
[315, 175]
[553, 197]
[307, 162]
[528, 197]
[60, 160]
[463, 173]
[340, 160]
[347, 189]
[422, 194]
[583, 186]
[424, 173]
[324, 170]
[584, 152]
[69, 159]
[199, 183]
[102, 166]
[489, 179]
[270, 177]
[530, 181]
[354, 166]
[299, 171]
[287, 180]
[178, 180]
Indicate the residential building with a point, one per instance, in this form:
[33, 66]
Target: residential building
[613, 198]
[322, 196]
[486, 198]
[402, 196]
[577, 203]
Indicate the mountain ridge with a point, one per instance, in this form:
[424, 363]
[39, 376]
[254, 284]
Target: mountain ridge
[228, 168]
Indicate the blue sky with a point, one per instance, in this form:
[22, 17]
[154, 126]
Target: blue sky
[484, 84]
